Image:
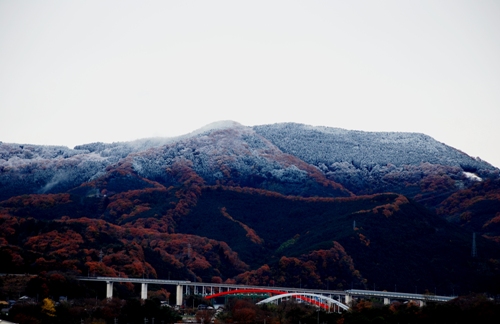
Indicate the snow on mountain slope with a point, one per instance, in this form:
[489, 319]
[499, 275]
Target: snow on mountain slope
[28, 169]
[367, 162]
[288, 158]
[364, 149]
[236, 155]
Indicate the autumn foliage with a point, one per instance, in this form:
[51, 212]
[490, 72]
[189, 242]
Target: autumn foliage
[122, 224]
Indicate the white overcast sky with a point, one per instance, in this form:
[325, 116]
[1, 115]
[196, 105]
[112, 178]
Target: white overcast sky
[75, 72]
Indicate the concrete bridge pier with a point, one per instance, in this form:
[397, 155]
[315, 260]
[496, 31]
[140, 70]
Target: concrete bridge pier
[144, 290]
[178, 296]
[348, 300]
[109, 289]
[387, 301]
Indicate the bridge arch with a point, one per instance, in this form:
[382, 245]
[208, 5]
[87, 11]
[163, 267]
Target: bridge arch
[310, 298]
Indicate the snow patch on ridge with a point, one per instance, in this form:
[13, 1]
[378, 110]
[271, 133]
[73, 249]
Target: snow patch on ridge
[472, 176]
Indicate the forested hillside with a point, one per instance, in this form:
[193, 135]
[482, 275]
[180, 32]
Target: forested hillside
[282, 204]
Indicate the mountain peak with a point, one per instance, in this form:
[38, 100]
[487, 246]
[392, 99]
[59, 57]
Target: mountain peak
[221, 124]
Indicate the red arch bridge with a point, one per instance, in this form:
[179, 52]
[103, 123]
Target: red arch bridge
[332, 300]
[324, 302]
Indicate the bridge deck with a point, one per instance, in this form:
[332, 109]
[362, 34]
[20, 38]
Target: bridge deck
[221, 287]
[397, 295]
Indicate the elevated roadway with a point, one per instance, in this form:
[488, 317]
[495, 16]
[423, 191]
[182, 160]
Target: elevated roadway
[184, 287]
[387, 296]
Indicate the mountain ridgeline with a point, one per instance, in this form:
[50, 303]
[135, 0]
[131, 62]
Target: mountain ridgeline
[283, 204]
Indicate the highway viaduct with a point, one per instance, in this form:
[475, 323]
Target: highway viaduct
[185, 288]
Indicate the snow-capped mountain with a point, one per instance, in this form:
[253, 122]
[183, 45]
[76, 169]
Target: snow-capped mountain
[281, 156]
